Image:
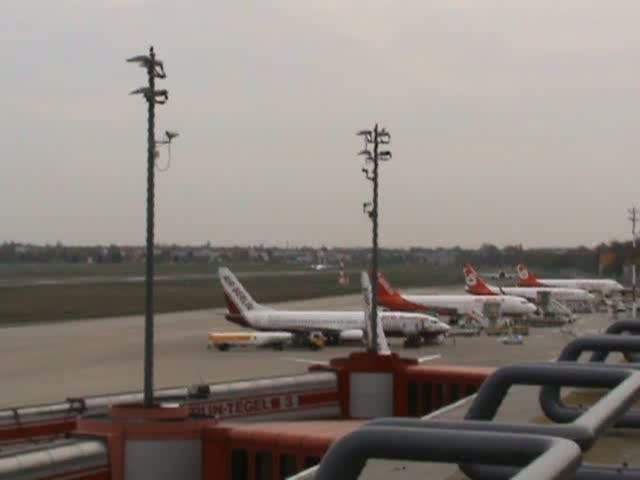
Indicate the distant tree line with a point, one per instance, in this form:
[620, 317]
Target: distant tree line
[58, 253]
[578, 259]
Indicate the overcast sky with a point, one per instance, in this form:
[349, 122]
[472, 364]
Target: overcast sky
[512, 121]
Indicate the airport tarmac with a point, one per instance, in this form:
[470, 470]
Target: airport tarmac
[50, 362]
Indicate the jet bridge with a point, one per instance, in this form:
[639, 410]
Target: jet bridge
[489, 318]
[552, 311]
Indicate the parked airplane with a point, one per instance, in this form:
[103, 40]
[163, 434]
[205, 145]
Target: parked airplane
[451, 305]
[477, 286]
[605, 286]
[381, 347]
[334, 326]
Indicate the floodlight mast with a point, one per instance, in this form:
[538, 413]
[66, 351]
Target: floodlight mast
[155, 69]
[633, 218]
[375, 138]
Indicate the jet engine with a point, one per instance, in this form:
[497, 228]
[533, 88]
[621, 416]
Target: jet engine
[351, 335]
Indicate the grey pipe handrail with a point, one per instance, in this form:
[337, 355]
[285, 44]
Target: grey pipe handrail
[474, 442]
[540, 457]
[576, 433]
[612, 410]
[622, 326]
[601, 346]
[558, 374]
[587, 424]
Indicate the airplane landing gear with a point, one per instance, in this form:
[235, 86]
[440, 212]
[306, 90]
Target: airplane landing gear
[412, 341]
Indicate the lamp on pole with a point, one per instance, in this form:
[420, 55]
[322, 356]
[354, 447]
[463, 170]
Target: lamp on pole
[153, 97]
[373, 139]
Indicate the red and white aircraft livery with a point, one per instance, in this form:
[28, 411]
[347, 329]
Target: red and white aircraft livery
[332, 325]
[477, 286]
[451, 305]
[605, 286]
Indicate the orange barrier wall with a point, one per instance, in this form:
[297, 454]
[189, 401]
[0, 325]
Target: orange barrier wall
[268, 451]
[421, 390]
[36, 430]
[89, 474]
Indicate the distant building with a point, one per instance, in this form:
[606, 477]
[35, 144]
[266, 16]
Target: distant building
[205, 255]
[258, 254]
[440, 257]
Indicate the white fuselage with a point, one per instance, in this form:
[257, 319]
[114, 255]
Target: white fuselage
[531, 293]
[604, 286]
[291, 320]
[338, 321]
[465, 304]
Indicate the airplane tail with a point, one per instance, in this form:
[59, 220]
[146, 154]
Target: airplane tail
[238, 299]
[381, 347]
[384, 287]
[475, 284]
[526, 278]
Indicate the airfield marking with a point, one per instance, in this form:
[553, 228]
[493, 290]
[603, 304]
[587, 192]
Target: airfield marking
[305, 360]
[428, 358]
[449, 407]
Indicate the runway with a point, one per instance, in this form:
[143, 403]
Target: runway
[50, 362]
[11, 282]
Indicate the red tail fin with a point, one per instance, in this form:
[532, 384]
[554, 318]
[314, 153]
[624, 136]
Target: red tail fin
[475, 284]
[384, 287]
[525, 278]
[392, 299]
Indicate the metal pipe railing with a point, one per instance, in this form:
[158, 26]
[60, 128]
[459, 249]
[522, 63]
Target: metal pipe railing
[73, 407]
[617, 328]
[490, 458]
[538, 457]
[55, 459]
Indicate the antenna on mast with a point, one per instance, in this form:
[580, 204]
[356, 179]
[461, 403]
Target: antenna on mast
[153, 97]
[373, 139]
[633, 218]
